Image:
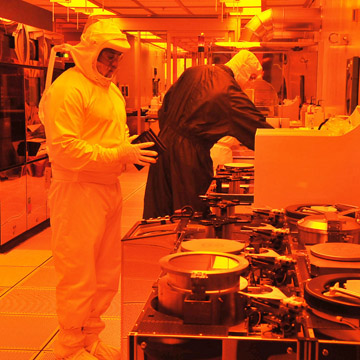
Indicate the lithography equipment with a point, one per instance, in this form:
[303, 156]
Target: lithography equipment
[249, 283]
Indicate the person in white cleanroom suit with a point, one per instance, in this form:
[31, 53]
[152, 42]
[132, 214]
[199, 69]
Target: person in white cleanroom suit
[85, 125]
[245, 66]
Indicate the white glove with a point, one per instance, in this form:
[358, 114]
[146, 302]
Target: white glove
[135, 153]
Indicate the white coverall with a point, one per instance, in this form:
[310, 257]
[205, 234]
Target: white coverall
[85, 123]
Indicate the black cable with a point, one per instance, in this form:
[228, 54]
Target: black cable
[323, 123]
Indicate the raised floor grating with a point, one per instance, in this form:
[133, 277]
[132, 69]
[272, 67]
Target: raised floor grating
[28, 301]
[26, 332]
[17, 355]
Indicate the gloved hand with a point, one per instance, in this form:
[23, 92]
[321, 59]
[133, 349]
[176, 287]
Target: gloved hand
[135, 153]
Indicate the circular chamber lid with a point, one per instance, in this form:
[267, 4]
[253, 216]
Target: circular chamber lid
[214, 270]
[336, 251]
[238, 166]
[320, 223]
[336, 294]
[213, 244]
[208, 262]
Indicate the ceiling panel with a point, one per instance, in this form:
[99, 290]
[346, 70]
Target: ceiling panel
[158, 3]
[202, 10]
[282, 3]
[122, 3]
[132, 11]
[163, 11]
[160, 11]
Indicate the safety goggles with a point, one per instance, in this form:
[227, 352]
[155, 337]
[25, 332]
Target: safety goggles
[109, 57]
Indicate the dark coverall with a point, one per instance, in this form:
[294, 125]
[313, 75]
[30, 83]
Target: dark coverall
[203, 105]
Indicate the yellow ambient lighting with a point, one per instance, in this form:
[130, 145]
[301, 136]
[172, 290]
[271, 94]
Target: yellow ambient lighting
[146, 35]
[83, 6]
[221, 262]
[242, 3]
[93, 11]
[75, 3]
[5, 20]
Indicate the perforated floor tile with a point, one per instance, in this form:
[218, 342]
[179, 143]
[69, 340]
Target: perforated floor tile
[112, 332]
[133, 214]
[40, 241]
[3, 289]
[42, 277]
[24, 257]
[129, 187]
[133, 204]
[49, 263]
[16, 355]
[28, 301]
[114, 308]
[11, 275]
[130, 221]
[138, 195]
[26, 332]
[46, 355]
[50, 345]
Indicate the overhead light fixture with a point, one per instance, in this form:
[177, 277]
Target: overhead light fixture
[155, 40]
[83, 6]
[243, 8]
[145, 35]
[242, 3]
[93, 11]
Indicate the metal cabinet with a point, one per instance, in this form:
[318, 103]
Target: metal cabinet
[12, 203]
[23, 157]
[23, 198]
[24, 167]
[36, 192]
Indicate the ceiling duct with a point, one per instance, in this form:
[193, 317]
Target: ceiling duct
[282, 24]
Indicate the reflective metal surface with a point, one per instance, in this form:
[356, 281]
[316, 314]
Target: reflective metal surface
[36, 192]
[328, 227]
[12, 203]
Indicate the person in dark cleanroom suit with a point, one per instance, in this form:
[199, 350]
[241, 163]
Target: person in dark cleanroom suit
[203, 105]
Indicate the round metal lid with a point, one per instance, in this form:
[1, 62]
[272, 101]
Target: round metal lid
[238, 166]
[208, 262]
[211, 271]
[319, 223]
[213, 244]
[336, 251]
